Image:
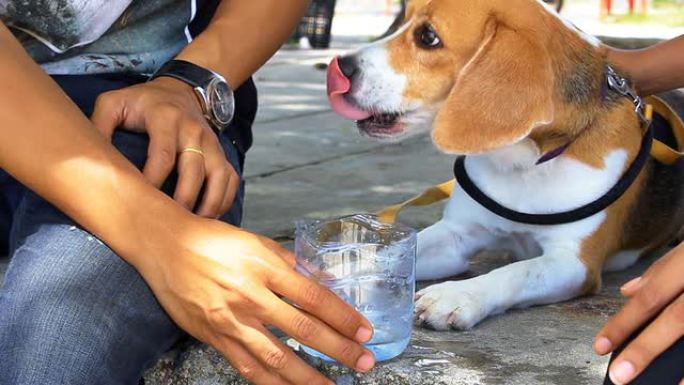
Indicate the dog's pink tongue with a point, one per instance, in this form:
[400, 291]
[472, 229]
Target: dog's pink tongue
[338, 86]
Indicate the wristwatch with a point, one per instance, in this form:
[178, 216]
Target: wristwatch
[212, 90]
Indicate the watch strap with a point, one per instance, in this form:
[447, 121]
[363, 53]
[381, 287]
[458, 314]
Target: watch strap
[185, 71]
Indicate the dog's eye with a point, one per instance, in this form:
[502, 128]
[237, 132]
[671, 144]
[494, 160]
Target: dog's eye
[427, 38]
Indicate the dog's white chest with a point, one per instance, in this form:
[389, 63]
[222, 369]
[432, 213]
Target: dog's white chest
[551, 272]
[560, 185]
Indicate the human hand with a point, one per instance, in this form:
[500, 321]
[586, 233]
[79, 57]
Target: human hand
[652, 70]
[222, 285]
[629, 62]
[656, 299]
[169, 112]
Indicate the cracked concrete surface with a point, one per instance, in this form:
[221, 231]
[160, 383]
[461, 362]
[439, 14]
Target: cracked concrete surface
[536, 346]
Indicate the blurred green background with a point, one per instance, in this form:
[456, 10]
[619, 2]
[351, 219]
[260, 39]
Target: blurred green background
[661, 12]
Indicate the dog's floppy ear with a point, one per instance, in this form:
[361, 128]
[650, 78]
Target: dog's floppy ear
[499, 97]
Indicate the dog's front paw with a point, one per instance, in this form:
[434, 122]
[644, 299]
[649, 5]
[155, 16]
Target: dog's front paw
[456, 305]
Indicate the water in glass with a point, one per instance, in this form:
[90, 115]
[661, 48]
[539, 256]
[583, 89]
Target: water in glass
[371, 265]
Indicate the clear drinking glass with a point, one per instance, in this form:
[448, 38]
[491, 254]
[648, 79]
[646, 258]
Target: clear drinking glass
[369, 264]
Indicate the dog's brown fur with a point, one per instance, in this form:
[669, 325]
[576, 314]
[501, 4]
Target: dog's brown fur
[510, 69]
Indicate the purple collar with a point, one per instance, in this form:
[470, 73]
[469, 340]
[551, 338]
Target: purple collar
[553, 154]
[612, 81]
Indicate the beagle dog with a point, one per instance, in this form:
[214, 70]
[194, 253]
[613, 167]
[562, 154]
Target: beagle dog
[553, 143]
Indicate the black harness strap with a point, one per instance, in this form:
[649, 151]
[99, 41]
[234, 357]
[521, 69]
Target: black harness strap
[564, 217]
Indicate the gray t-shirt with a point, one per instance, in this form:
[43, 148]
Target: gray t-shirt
[69, 37]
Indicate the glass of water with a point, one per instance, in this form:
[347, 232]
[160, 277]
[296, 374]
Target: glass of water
[369, 264]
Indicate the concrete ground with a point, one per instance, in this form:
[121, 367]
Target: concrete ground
[307, 162]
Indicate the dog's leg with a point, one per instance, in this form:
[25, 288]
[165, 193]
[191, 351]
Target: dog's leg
[445, 247]
[553, 277]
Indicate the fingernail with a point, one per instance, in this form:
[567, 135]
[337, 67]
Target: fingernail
[603, 345]
[364, 334]
[631, 284]
[622, 373]
[365, 363]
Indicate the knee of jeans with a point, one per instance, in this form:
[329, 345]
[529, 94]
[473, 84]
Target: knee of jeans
[65, 265]
[68, 299]
[61, 280]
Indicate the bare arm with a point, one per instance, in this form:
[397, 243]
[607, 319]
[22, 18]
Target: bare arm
[243, 35]
[655, 69]
[51, 147]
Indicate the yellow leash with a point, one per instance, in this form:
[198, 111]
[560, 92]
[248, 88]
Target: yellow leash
[659, 151]
[432, 195]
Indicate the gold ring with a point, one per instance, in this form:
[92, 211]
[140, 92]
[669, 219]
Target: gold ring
[193, 150]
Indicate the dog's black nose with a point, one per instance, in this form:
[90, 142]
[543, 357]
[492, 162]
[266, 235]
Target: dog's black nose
[348, 66]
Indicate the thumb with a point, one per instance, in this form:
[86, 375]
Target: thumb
[108, 113]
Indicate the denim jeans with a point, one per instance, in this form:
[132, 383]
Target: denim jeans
[71, 311]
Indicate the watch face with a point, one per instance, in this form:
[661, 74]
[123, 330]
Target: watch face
[221, 101]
